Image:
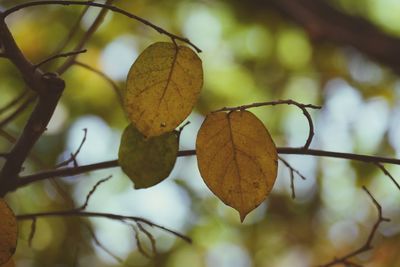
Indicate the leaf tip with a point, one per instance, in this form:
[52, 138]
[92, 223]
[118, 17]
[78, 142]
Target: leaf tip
[242, 216]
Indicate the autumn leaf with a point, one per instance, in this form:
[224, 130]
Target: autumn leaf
[162, 88]
[8, 232]
[237, 159]
[147, 161]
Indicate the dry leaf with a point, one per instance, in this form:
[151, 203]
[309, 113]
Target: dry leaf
[8, 232]
[162, 88]
[237, 159]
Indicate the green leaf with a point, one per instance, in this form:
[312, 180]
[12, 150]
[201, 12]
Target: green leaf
[147, 161]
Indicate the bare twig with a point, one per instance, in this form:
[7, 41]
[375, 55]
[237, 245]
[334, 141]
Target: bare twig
[73, 30]
[109, 7]
[9, 137]
[86, 37]
[74, 155]
[91, 192]
[111, 216]
[149, 236]
[301, 106]
[17, 112]
[139, 242]
[388, 174]
[102, 75]
[13, 102]
[100, 245]
[292, 171]
[368, 244]
[25, 180]
[67, 54]
[32, 232]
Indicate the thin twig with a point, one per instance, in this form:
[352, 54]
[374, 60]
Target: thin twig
[101, 246]
[109, 7]
[73, 30]
[111, 216]
[368, 244]
[63, 172]
[86, 37]
[9, 137]
[32, 232]
[149, 236]
[17, 112]
[91, 192]
[14, 101]
[292, 171]
[67, 54]
[388, 174]
[73, 156]
[102, 75]
[301, 106]
[139, 242]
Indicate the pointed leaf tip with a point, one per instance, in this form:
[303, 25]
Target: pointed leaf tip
[237, 159]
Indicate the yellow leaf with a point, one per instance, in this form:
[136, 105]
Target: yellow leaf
[237, 159]
[162, 87]
[8, 232]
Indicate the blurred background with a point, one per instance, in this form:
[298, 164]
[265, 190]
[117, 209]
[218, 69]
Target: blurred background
[343, 55]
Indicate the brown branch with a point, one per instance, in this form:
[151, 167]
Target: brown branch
[388, 174]
[301, 106]
[67, 54]
[3, 155]
[49, 87]
[109, 7]
[63, 172]
[292, 171]
[368, 244]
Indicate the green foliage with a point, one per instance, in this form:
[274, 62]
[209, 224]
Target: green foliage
[147, 161]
